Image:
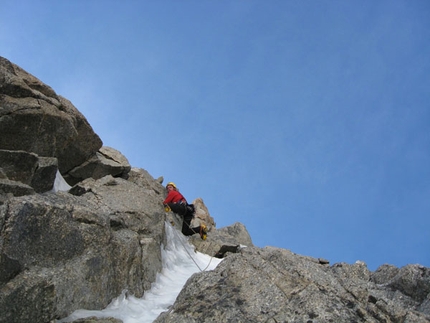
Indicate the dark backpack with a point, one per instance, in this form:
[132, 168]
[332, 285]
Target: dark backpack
[191, 209]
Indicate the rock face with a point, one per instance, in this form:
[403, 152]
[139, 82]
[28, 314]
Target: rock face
[62, 251]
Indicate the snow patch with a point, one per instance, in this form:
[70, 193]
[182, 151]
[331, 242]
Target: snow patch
[60, 184]
[179, 262]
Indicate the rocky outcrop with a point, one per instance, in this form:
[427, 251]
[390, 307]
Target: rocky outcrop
[41, 132]
[276, 285]
[33, 118]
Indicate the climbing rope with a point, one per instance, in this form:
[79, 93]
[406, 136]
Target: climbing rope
[186, 250]
[192, 258]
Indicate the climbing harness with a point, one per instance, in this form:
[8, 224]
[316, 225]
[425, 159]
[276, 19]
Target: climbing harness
[186, 208]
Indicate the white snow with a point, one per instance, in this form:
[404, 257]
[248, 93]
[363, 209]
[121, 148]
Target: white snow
[179, 262]
[60, 184]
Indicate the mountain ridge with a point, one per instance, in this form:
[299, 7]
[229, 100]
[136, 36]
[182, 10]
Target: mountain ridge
[62, 251]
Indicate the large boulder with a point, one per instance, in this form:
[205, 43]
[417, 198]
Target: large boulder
[24, 173]
[33, 118]
[229, 238]
[18, 166]
[107, 161]
[46, 172]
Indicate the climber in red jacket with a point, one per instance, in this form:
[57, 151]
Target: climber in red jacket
[176, 202]
[173, 195]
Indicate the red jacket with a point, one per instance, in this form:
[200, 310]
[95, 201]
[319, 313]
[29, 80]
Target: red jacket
[174, 197]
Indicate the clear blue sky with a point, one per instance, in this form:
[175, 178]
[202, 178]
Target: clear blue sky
[308, 121]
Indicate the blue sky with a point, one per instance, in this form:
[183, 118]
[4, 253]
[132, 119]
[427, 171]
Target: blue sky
[308, 121]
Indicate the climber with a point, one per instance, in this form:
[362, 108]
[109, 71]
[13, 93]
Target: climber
[177, 203]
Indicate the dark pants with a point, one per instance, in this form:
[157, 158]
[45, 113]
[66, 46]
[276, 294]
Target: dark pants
[187, 214]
